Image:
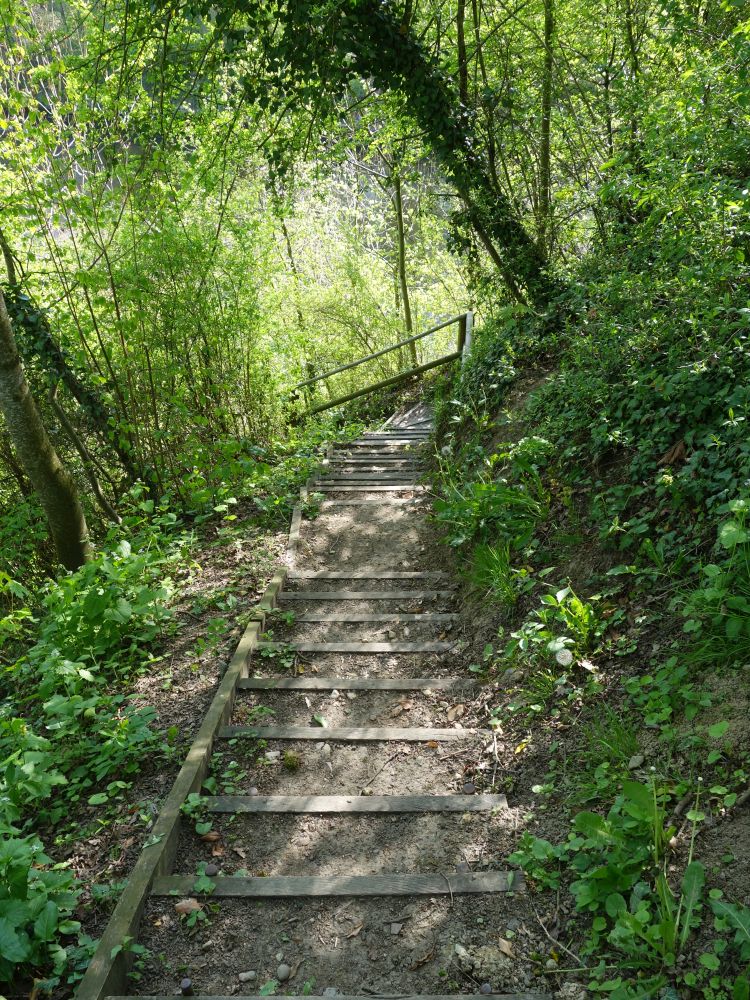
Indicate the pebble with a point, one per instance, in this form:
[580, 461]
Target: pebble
[396, 928]
[207, 945]
[273, 754]
[485, 988]
[279, 956]
[186, 987]
[551, 964]
[248, 977]
[351, 695]
[212, 870]
[283, 973]
[462, 868]
[326, 751]
[252, 791]
[469, 788]
[330, 991]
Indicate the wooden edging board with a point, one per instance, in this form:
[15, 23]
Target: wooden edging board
[108, 970]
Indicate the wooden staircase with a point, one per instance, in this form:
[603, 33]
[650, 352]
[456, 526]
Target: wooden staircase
[384, 470]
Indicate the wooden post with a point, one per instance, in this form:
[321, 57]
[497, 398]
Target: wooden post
[468, 330]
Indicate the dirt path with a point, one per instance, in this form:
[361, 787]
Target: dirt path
[409, 896]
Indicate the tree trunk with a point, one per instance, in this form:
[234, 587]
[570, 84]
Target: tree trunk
[544, 138]
[52, 483]
[408, 321]
[463, 68]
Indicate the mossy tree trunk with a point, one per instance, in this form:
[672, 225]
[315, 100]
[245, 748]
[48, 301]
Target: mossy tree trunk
[52, 483]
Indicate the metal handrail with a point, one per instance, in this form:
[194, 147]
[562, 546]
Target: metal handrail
[385, 350]
[465, 327]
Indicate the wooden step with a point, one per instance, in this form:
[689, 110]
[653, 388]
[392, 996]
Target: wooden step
[318, 487]
[354, 803]
[344, 996]
[305, 683]
[368, 574]
[360, 647]
[364, 595]
[349, 734]
[395, 442]
[390, 502]
[292, 886]
[384, 460]
[367, 477]
[407, 616]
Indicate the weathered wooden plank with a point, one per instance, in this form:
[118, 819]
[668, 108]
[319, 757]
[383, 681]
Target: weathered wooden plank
[413, 502]
[292, 886]
[364, 595]
[348, 996]
[367, 477]
[368, 574]
[321, 487]
[354, 803]
[348, 734]
[386, 461]
[343, 616]
[305, 683]
[433, 646]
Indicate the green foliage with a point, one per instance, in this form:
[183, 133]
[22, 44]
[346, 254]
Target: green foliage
[37, 899]
[619, 877]
[565, 628]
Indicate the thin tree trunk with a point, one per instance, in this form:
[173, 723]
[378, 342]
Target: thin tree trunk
[408, 322]
[463, 68]
[52, 483]
[544, 138]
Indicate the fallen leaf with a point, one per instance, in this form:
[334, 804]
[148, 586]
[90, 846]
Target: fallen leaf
[240, 851]
[506, 947]
[211, 837]
[189, 905]
[456, 712]
[432, 744]
[356, 931]
[217, 851]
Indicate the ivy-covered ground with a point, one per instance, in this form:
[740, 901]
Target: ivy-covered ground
[595, 486]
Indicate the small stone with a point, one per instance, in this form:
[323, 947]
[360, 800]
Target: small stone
[327, 751]
[279, 956]
[248, 977]
[351, 695]
[273, 754]
[330, 991]
[212, 870]
[186, 987]
[334, 693]
[252, 791]
[469, 788]
[283, 973]
[396, 928]
[367, 791]
[551, 964]
[485, 988]
[460, 951]
[462, 868]
[635, 761]
[207, 945]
